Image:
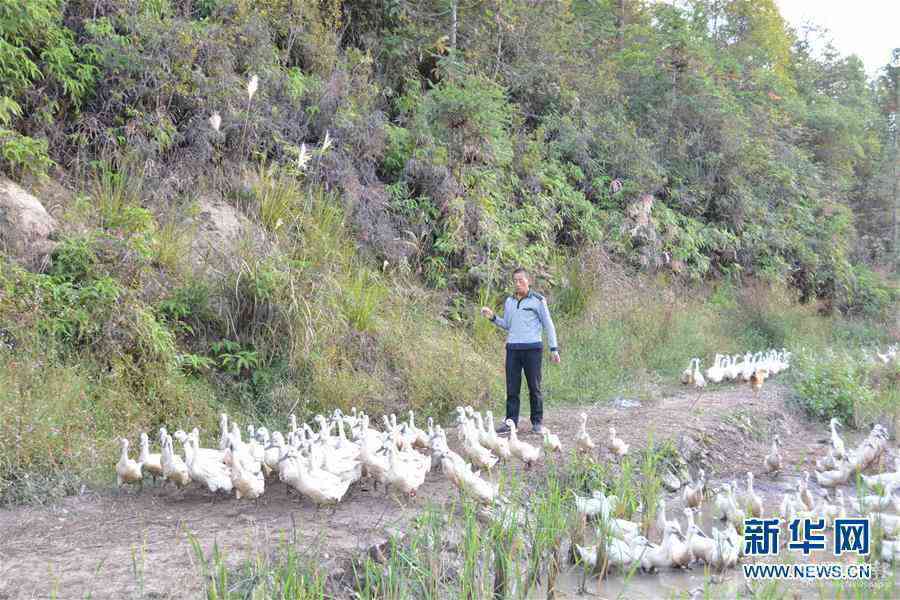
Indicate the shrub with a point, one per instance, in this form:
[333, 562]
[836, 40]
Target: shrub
[868, 294]
[399, 149]
[277, 199]
[23, 154]
[831, 384]
[42, 68]
[472, 116]
[188, 308]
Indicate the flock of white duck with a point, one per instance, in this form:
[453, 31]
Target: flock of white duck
[322, 465]
[624, 547]
[751, 368]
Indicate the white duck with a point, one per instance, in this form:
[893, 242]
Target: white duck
[480, 456]
[174, 468]
[773, 458]
[223, 432]
[484, 436]
[245, 483]
[726, 506]
[659, 557]
[680, 550]
[890, 524]
[788, 507]
[524, 451]
[316, 484]
[754, 502]
[884, 478]
[619, 553]
[151, 462]
[343, 463]
[583, 440]
[469, 482]
[375, 462]
[274, 450]
[420, 438]
[748, 367]
[803, 492]
[702, 546]
[406, 473]
[733, 368]
[835, 477]
[205, 453]
[736, 515]
[662, 523]
[551, 442]
[497, 444]
[873, 502]
[211, 473]
[692, 494]
[837, 444]
[242, 452]
[127, 470]
[597, 504]
[716, 372]
[725, 553]
[890, 551]
[698, 379]
[616, 444]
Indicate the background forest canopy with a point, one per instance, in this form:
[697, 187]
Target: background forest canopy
[469, 136]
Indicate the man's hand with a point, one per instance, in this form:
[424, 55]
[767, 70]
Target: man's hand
[554, 356]
[487, 313]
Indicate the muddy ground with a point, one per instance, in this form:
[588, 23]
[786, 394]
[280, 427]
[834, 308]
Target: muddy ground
[136, 544]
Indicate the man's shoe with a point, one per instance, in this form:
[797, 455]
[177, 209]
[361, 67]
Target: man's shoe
[536, 428]
[503, 429]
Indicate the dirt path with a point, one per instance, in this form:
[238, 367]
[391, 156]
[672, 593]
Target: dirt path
[137, 544]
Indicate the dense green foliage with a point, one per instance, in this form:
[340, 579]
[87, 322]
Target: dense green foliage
[44, 73]
[847, 386]
[462, 161]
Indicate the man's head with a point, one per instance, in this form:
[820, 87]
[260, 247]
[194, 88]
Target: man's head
[521, 281]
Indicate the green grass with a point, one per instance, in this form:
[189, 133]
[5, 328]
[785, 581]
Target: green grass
[59, 424]
[847, 385]
[292, 575]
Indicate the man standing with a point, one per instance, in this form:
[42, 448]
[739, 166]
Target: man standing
[525, 315]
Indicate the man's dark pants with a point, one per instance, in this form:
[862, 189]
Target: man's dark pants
[530, 362]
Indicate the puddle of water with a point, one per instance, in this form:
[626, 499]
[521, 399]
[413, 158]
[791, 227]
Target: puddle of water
[676, 583]
[668, 583]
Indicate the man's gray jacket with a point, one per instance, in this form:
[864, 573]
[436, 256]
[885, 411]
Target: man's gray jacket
[524, 320]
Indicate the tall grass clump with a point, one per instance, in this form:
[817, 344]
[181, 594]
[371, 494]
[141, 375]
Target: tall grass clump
[848, 385]
[275, 198]
[290, 574]
[831, 384]
[59, 422]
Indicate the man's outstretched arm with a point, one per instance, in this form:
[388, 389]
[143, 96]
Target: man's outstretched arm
[501, 322]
